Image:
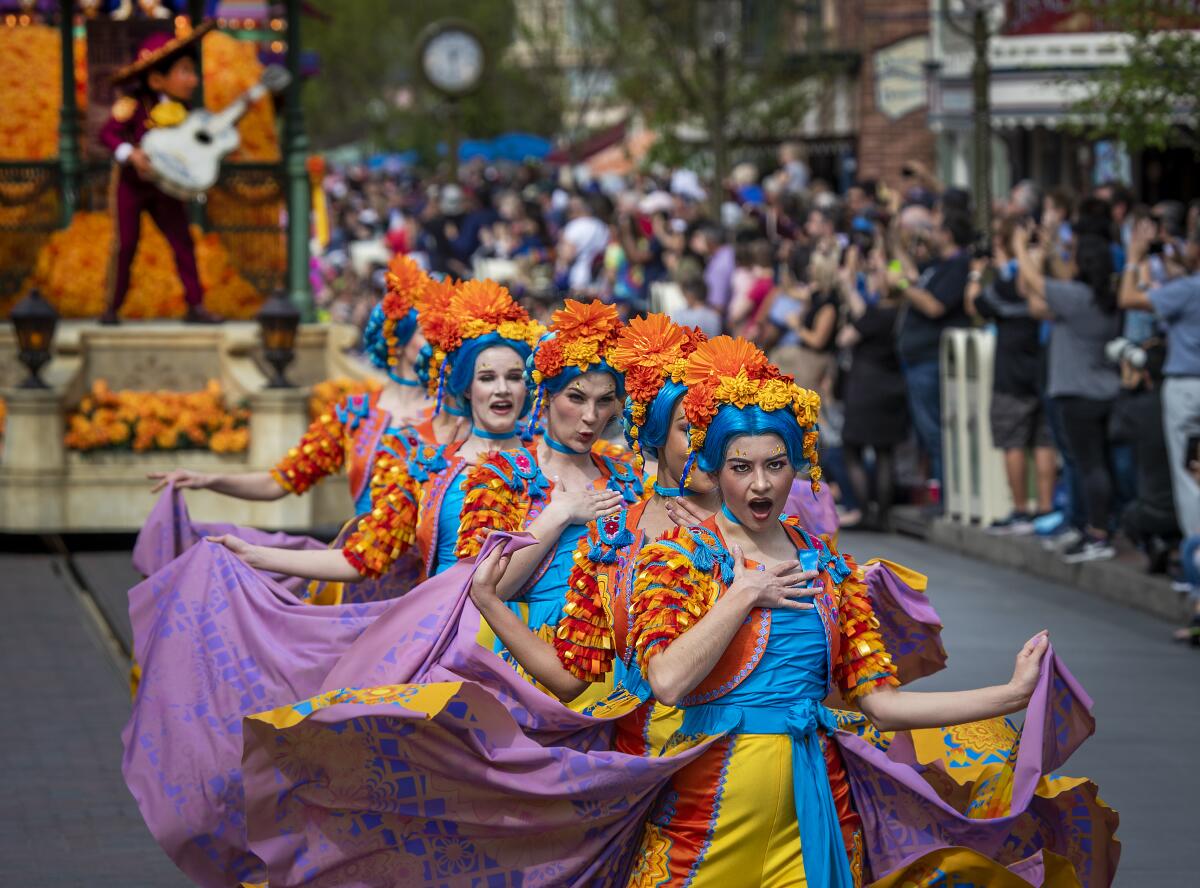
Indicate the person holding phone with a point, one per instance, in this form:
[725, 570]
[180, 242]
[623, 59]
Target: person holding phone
[1176, 305]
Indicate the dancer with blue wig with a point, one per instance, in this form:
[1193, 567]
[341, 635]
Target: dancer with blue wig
[480, 340]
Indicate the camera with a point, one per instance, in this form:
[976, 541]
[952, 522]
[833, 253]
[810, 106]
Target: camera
[1123, 350]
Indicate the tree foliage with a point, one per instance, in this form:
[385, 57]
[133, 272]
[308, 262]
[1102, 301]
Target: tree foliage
[1151, 101]
[370, 90]
[710, 72]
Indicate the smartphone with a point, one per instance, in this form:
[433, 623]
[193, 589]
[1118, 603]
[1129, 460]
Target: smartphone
[1191, 453]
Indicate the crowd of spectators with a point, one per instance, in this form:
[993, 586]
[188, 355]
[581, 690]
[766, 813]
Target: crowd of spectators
[1094, 301]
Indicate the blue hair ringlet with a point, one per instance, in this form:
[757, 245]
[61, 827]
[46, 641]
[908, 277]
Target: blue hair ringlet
[374, 342]
[654, 431]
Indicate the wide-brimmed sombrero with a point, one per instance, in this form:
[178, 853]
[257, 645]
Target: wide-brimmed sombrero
[160, 46]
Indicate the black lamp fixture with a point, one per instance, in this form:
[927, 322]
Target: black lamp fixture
[279, 320]
[34, 320]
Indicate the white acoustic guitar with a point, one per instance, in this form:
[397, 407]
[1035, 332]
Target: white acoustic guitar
[186, 159]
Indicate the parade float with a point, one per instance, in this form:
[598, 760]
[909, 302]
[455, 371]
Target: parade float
[89, 410]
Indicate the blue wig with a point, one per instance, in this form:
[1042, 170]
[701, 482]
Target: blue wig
[654, 431]
[731, 422]
[461, 369]
[374, 344]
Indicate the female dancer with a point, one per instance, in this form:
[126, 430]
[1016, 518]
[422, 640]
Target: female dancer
[650, 352]
[580, 393]
[481, 342]
[356, 434]
[728, 626]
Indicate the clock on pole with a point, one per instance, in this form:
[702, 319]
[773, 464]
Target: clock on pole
[453, 61]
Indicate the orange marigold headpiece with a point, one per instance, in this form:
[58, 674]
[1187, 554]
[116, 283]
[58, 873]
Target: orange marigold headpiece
[650, 351]
[406, 286]
[453, 314]
[580, 336]
[731, 371]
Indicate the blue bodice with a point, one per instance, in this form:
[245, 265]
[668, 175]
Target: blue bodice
[445, 555]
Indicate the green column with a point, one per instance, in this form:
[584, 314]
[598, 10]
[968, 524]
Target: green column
[68, 119]
[295, 153]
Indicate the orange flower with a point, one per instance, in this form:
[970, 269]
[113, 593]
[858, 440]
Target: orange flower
[725, 356]
[487, 301]
[406, 283]
[549, 358]
[586, 321]
[651, 350]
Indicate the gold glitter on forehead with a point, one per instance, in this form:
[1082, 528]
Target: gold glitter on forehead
[778, 450]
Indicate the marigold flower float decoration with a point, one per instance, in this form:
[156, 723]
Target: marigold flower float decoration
[72, 273]
[157, 421]
[725, 370]
[71, 267]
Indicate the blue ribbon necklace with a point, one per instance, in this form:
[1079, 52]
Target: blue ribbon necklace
[560, 446]
[477, 432]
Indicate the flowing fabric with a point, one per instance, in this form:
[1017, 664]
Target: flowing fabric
[445, 768]
[908, 623]
[986, 786]
[817, 511]
[217, 641]
[169, 531]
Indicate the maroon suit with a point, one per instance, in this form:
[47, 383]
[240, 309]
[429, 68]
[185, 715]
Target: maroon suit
[133, 195]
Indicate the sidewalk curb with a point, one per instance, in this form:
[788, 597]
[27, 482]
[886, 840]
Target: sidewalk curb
[1114, 581]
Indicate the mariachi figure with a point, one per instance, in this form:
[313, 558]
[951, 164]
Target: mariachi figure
[163, 79]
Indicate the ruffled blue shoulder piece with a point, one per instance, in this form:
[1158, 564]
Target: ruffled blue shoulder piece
[708, 552]
[623, 479]
[353, 410]
[834, 565]
[523, 473]
[612, 533]
[425, 461]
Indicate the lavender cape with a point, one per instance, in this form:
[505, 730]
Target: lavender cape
[169, 531]
[219, 641]
[451, 770]
[816, 511]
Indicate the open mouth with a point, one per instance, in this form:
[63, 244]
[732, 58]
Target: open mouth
[760, 508]
[501, 407]
[585, 437]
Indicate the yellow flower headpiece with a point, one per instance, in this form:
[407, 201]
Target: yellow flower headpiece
[453, 314]
[650, 351]
[580, 335]
[731, 371]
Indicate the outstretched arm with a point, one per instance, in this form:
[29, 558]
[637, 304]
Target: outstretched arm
[259, 486]
[536, 657]
[328, 565]
[890, 709]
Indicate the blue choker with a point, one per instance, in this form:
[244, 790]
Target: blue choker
[409, 382]
[670, 491]
[477, 432]
[561, 447]
[729, 515]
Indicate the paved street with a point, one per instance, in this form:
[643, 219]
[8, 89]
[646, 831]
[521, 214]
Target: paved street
[66, 818]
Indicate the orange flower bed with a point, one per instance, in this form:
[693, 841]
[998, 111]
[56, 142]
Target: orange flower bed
[72, 267]
[72, 273]
[148, 421]
[31, 91]
[326, 395]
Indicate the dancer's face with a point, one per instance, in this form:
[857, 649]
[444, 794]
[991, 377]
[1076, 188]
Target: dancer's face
[578, 415]
[497, 389]
[755, 479]
[674, 453]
